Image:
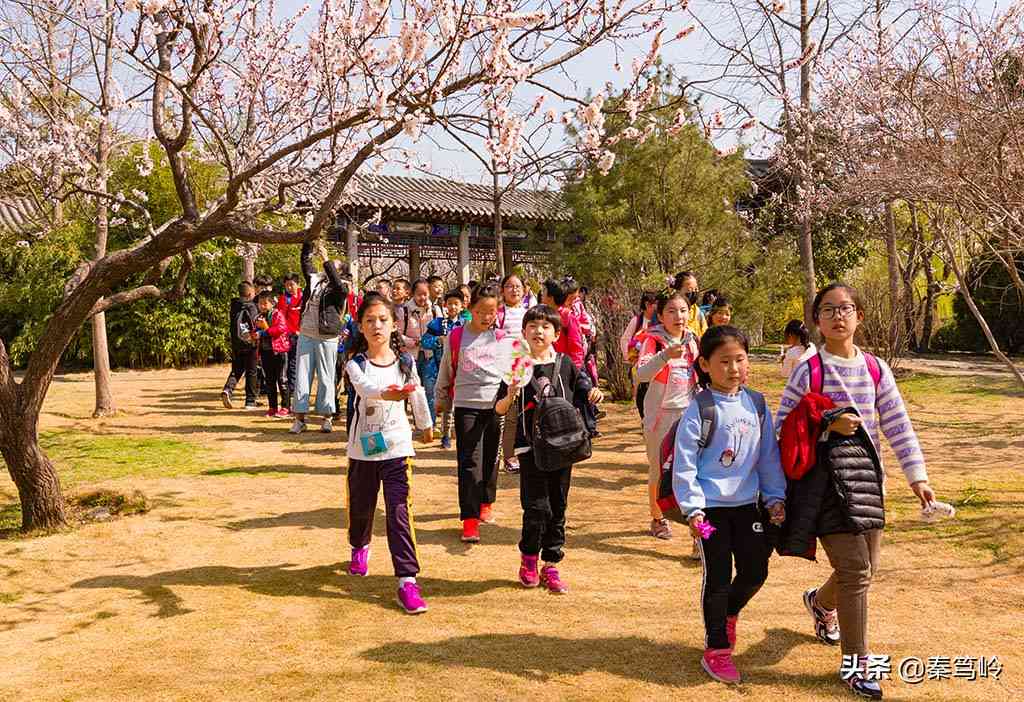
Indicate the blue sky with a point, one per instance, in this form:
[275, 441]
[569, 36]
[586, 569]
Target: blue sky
[691, 58]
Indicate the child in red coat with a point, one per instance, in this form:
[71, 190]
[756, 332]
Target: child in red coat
[272, 335]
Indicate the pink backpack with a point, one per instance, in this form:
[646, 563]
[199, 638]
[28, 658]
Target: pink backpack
[816, 369]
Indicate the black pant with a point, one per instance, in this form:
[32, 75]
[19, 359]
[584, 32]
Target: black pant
[272, 363]
[543, 495]
[477, 437]
[243, 363]
[292, 350]
[739, 533]
[641, 393]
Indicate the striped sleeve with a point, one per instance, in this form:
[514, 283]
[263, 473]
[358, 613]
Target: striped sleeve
[897, 428]
[796, 388]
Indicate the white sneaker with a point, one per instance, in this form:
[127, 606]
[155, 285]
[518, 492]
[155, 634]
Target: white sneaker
[298, 426]
[327, 426]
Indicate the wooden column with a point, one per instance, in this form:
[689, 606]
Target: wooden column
[463, 254]
[414, 262]
[506, 253]
[352, 252]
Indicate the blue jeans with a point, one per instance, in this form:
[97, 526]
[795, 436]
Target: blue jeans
[318, 358]
[428, 376]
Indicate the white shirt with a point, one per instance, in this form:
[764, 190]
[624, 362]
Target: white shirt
[375, 414]
[795, 355]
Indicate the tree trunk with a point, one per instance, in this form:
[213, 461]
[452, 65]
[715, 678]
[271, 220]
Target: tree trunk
[100, 355]
[969, 299]
[893, 263]
[499, 244]
[805, 244]
[248, 268]
[105, 406]
[42, 503]
[928, 322]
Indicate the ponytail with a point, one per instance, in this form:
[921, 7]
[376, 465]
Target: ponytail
[796, 327]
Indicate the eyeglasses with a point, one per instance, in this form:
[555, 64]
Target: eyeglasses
[840, 312]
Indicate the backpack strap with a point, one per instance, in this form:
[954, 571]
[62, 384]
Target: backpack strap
[360, 359]
[708, 418]
[405, 366]
[454, 342]
[760, 404]
[815, 374]
[874, 369]
[557, 380]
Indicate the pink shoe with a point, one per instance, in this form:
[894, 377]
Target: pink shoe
[409, 599]
[554, 584]
[271, 414]
[730, 630]
[284, 413]
[528, 574]
[360, 563]
[717, 662]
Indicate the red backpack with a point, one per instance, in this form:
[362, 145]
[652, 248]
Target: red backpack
[708, 419]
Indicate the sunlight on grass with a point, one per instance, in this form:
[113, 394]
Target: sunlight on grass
[87, 458]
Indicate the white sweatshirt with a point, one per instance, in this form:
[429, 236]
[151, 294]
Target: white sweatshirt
[375, 414]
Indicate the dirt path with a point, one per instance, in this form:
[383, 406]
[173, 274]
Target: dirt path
[232, 587]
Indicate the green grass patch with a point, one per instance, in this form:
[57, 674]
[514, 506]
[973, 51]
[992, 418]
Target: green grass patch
[10, 513]
[83, 458]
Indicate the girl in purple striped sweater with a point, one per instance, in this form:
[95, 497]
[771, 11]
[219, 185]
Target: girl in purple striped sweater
[852, 379]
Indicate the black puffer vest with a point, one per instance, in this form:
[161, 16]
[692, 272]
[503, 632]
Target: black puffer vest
[841, 494]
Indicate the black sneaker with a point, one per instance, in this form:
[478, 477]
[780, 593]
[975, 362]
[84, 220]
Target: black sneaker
[826, 621]
[864, 687]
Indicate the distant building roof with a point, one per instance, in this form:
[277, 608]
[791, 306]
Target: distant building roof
[18, 215]
[442, 199]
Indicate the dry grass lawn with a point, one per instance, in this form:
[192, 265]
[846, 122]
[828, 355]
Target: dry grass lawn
[233, 586]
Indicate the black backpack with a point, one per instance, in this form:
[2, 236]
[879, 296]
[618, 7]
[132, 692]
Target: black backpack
[559, 438]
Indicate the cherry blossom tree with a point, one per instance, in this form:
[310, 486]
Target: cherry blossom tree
[273, 100]
[761, 71]
[935, 118]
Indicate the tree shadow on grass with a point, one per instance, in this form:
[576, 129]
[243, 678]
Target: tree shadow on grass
[283, 580]
[325, 518]
[540, 657]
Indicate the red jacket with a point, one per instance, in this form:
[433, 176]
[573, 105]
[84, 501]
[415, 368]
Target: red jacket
[291, 308]
[799, 436]
[570, 341]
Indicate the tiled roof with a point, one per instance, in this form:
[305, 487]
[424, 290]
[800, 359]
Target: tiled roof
[18, 215]
[445, 198]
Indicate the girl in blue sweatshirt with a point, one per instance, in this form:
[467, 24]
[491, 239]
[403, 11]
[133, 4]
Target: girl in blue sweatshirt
[726, 461]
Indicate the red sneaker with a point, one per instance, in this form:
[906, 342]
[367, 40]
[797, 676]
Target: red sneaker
[284, 413]
[271, 414]
[552, 581]
[717, 662]
[487, 514]
[471, 531]
[528, 574]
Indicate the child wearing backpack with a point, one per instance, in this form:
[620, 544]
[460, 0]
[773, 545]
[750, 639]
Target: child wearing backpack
[468, 381]
[432, 343]
[380, 446]
[726, 460]
[851, 377]
[271, 334]
[797, 347]
[544, 479]
[667, 356]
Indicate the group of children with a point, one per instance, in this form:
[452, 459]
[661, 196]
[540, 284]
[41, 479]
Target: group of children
[729, 480]
[439, 355]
